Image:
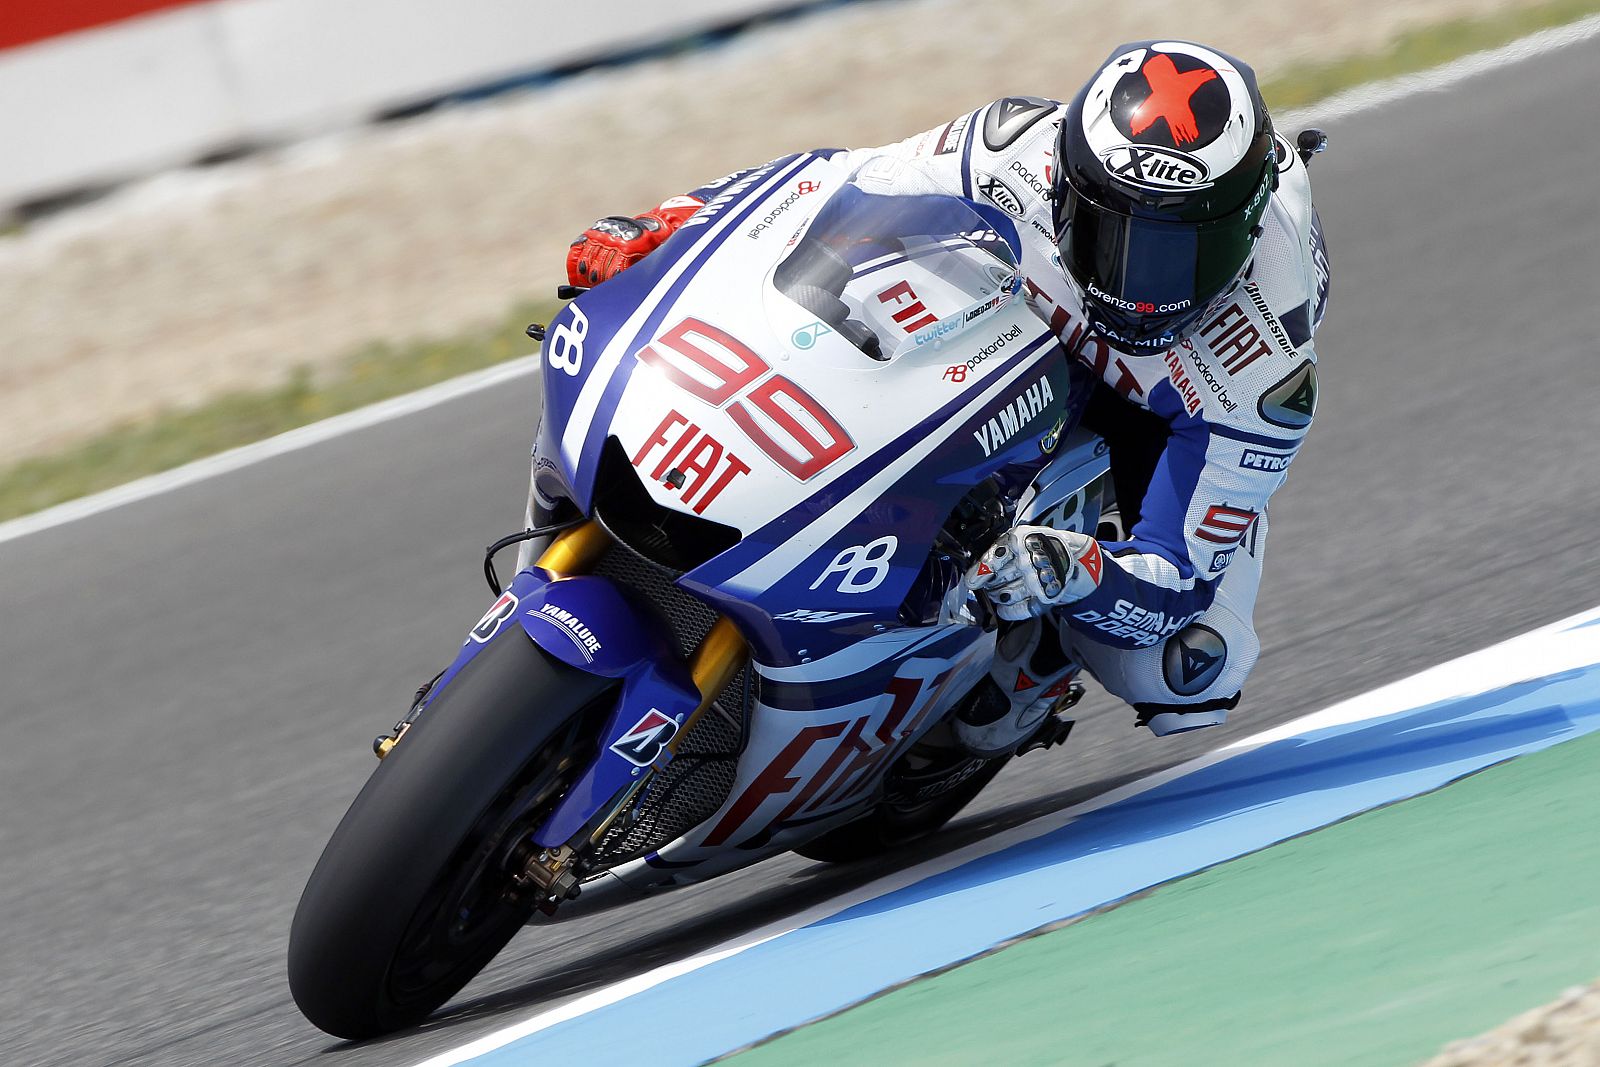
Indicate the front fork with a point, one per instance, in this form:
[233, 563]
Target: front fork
[553, 869]
[556, 871]
[713, 663]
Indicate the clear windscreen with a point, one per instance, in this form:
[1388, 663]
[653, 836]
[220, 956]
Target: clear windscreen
[891, 272]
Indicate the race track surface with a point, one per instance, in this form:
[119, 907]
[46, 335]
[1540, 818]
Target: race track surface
[192, 682]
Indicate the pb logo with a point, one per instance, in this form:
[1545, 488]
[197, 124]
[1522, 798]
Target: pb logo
[861, 568]
[806, 188]
[957, 373]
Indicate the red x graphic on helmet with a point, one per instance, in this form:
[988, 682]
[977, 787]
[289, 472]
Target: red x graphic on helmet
[1170, 93]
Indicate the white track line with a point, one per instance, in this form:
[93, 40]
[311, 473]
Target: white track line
[1340, 105]
[1376, 94]
[1540, 653]
[247, 455]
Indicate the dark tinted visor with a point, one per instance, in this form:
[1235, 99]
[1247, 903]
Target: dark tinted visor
[1151, 276]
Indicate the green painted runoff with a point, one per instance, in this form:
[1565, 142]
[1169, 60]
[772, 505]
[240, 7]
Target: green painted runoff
[1375, 941]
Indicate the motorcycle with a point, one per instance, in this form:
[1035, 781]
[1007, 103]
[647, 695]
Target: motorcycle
[768, 454]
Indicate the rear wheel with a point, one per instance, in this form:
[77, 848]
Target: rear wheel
[412, 896]
[908, 813]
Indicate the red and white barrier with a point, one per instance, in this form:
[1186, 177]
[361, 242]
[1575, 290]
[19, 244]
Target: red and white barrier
[97, 91]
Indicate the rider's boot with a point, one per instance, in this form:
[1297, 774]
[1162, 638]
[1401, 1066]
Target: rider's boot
[1030, 683]
[1164, 719]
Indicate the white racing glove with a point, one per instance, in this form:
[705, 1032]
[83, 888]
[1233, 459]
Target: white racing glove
[1031, 569]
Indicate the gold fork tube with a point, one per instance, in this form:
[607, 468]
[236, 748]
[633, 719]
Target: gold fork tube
[712, 666]
[575, 551]
[718, 657]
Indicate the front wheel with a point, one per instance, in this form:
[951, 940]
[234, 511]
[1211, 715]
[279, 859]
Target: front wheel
[411, 897]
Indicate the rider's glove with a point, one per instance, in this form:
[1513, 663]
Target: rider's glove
[1031, 569]
[616, 242]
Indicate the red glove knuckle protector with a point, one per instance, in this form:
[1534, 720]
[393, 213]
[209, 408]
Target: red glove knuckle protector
[616, 242]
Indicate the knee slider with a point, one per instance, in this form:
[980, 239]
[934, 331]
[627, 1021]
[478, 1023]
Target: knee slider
[1164, 719]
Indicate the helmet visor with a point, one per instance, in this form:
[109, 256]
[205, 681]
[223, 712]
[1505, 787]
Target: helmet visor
[1145, 280]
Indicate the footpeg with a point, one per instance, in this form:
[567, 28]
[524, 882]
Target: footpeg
[1056, 726]
[1051, 732]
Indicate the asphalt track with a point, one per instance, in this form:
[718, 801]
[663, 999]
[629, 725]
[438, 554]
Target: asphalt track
[191, 681]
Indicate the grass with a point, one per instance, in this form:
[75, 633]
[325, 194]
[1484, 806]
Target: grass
[1419, 49]
[380, 371]
[376, 372]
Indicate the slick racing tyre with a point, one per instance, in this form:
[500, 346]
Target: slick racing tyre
[409, 900]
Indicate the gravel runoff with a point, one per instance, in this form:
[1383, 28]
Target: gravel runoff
[1565, 1033]
[204, 280]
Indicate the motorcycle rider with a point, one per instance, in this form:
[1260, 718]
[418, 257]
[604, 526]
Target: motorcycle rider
[1171, 244]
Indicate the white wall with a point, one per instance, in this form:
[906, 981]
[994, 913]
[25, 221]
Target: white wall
[133, 97]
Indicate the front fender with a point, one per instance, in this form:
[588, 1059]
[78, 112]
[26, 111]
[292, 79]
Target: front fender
[587, 622]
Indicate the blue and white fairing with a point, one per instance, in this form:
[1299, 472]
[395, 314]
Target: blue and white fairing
[736, 403]
[824, 374]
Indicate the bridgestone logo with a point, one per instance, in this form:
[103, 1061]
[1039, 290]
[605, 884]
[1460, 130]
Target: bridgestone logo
[1272, 320]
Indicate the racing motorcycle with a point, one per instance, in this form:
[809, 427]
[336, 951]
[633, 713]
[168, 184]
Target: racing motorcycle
[768, 454]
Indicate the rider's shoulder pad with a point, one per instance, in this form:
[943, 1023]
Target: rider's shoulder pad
[1006, 120]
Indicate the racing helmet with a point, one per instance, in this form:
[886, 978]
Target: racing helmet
[1165, 162]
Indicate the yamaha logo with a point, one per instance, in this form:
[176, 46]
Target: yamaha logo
[1152, 167]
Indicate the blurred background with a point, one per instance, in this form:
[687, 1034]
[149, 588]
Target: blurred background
[301, 205]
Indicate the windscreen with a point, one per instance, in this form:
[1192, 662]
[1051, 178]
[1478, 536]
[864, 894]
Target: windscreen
[887, 272]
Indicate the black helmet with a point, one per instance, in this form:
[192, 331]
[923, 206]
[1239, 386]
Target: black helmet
[1164, 165]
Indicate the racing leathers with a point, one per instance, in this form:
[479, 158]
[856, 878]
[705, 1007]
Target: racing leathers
[1201, 432]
